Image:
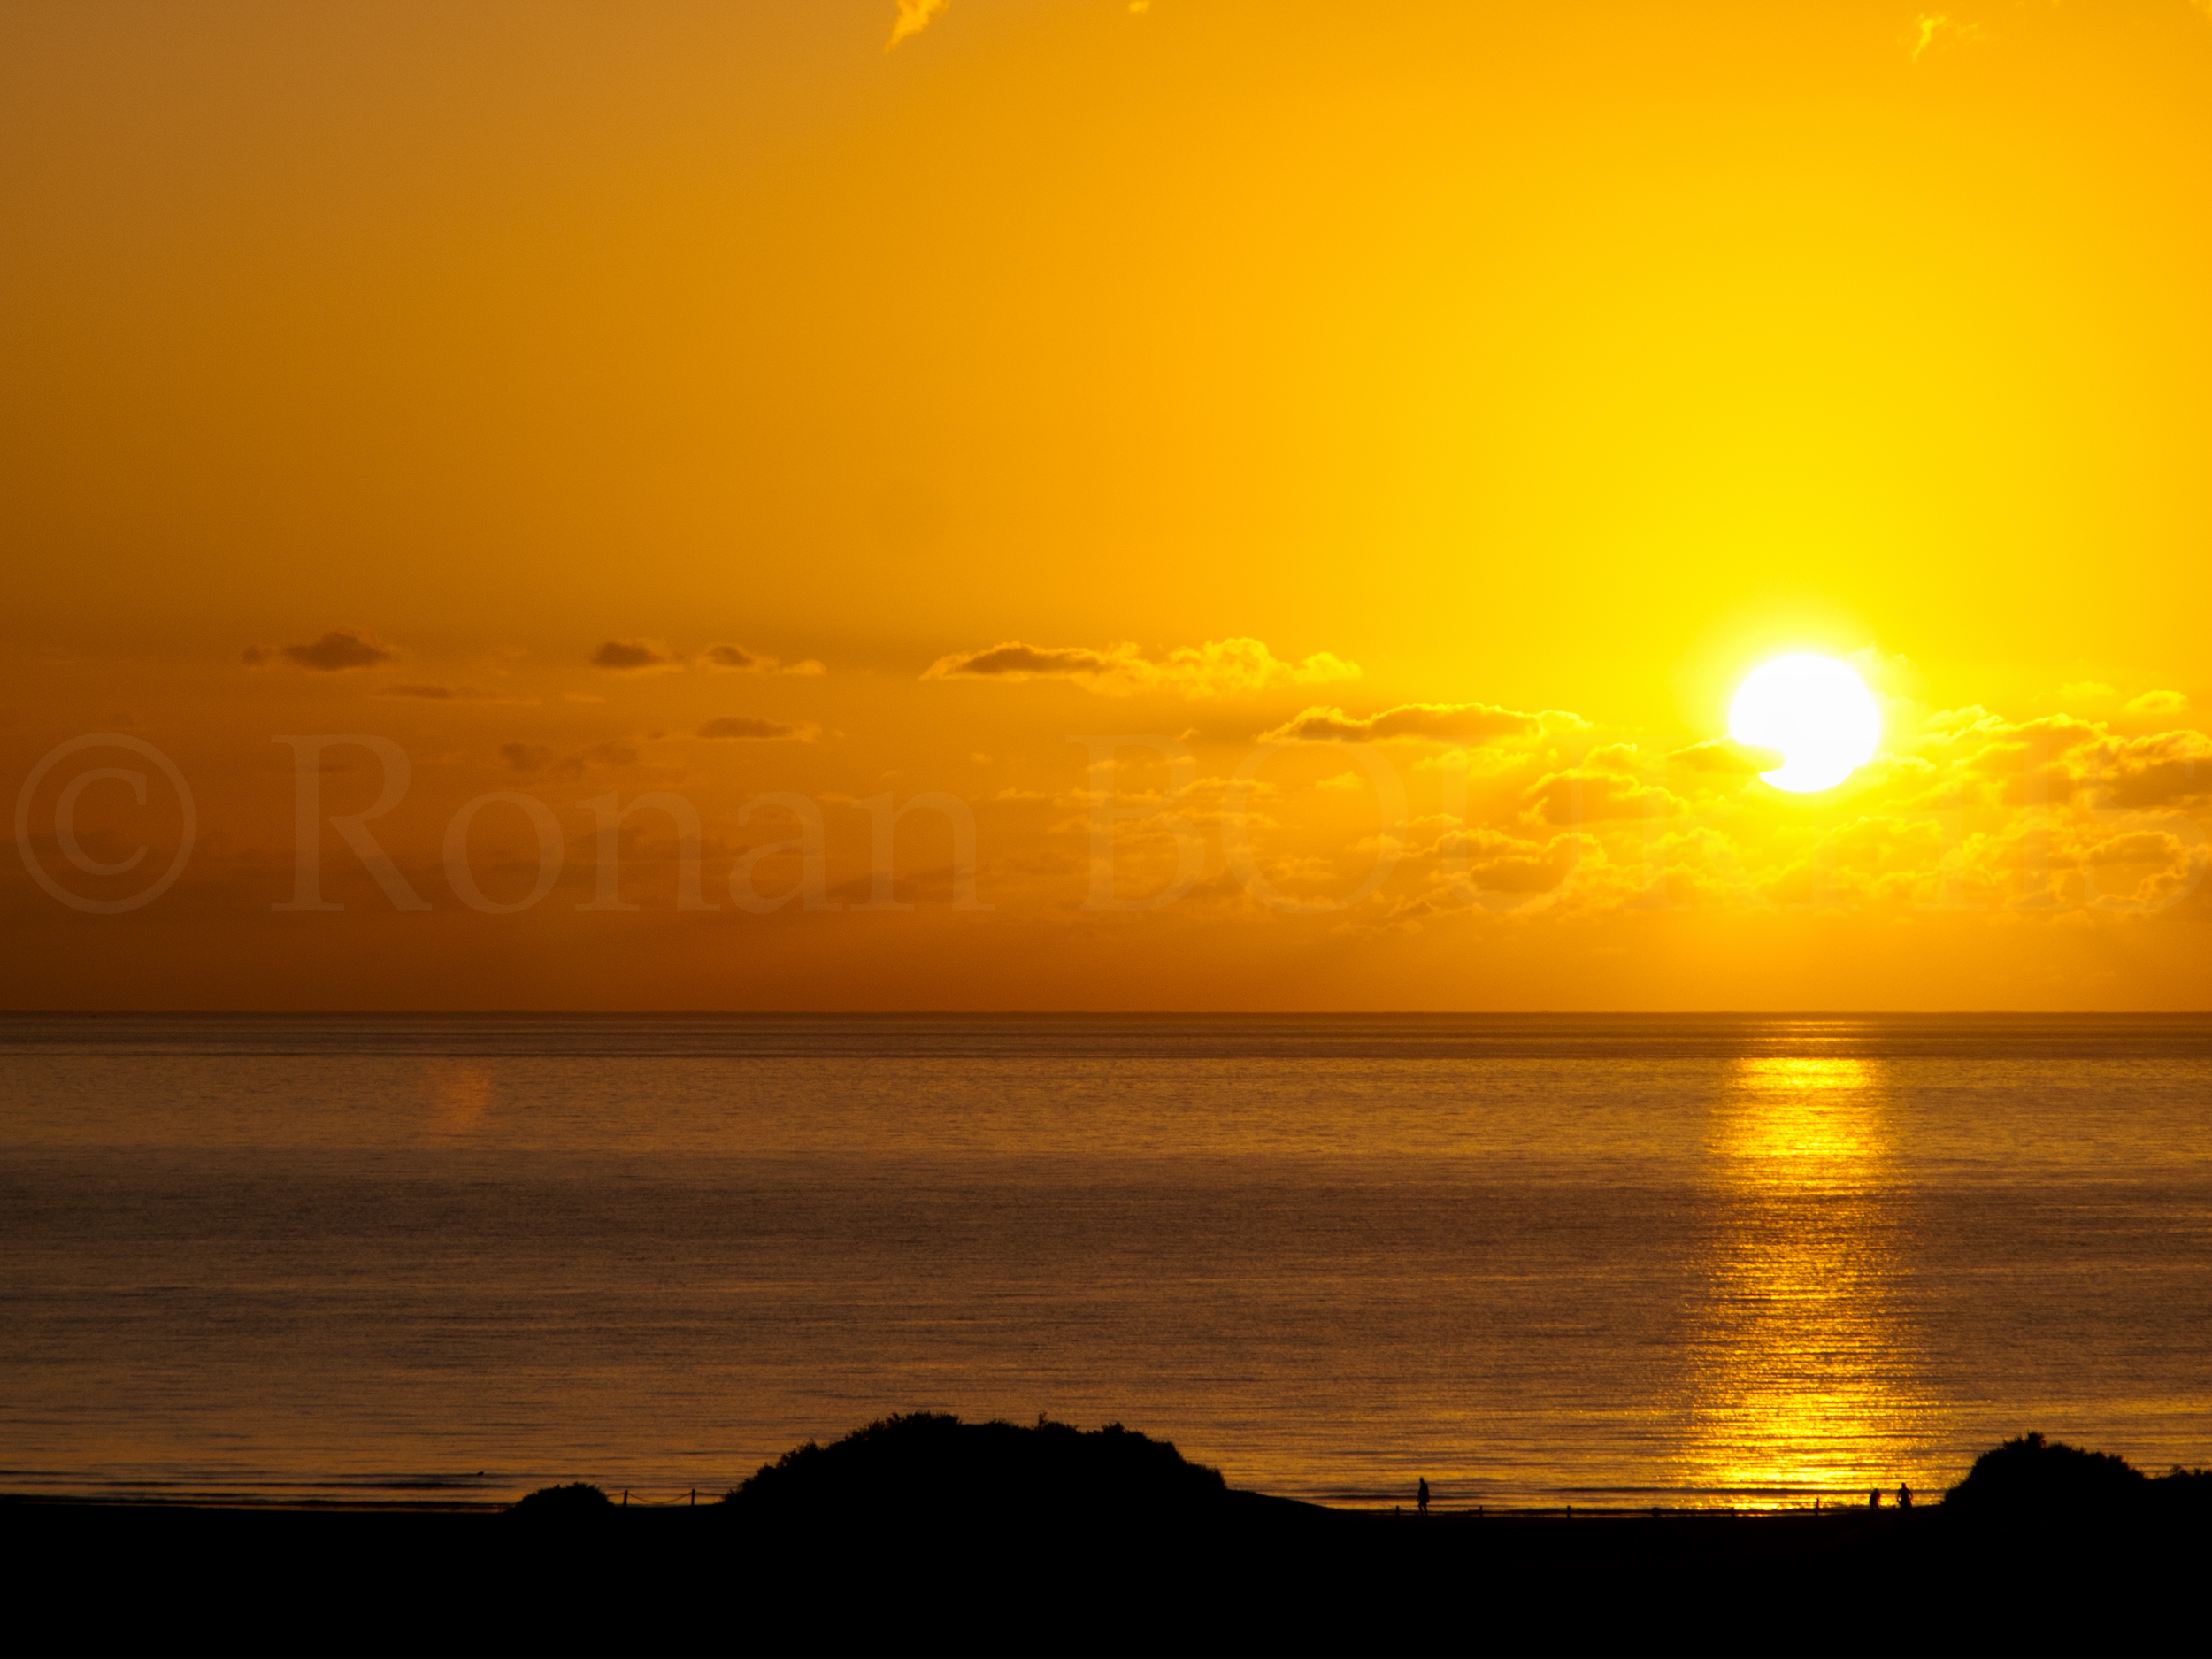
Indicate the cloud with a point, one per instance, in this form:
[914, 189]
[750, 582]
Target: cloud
[1930, 28]
[2138, 847]
[2158, 703]
[1406, 721]
[746, 726]
[435, 694]
[1221, 666]
[2146, 774]
[632, 657]
[1502, 864]
[338, 649]
[1969, 757]
[1218, 668]
[735, 660]
[1575, 797]
[914, 17]
[257, 656]
[1016, 661]
[1726, 756]
[1972, 717]
[533, 757]
[1623, 758]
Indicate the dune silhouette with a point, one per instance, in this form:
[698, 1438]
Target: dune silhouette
[2034, 1473]
[579, 1501]
[933, 1464]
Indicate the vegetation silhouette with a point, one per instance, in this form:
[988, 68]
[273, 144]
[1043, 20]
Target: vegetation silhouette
[2031, 1473]
[932, 1466]
[578, 1501]
[924, 1521]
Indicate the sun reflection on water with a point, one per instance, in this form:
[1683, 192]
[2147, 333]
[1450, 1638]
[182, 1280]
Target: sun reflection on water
[460, 1092]
[1807, 1381]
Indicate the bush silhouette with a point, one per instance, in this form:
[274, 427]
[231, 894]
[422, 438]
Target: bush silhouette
[2031, 1473]
[933, 1464]
[577, 1501]
[2183, 1492]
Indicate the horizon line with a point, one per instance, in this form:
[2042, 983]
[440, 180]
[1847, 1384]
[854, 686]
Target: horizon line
[1092, 1013]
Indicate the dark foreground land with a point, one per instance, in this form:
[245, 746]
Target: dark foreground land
[991, 1532]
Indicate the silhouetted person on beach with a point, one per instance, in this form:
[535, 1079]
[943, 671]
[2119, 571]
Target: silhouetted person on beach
[1421, 1496]
[1904, 1496]
[1874, 1499]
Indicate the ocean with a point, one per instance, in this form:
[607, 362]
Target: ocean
[1597, 1261]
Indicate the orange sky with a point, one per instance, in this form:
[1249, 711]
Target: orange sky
[1510, 382]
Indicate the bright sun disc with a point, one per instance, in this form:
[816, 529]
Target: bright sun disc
[1813, 708]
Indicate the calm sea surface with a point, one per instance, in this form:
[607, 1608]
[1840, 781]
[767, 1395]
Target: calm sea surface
[1535, 1260]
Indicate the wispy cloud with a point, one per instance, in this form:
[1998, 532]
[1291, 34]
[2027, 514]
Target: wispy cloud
[1583, 792]
[1407, 720]
[2090, 691]
[1015, 661]
[1727, 758]
[436, 694]
[450, 694]
[1218, 668]
[1931, 27]
[536, 757]
[2159, 702]
[745, 726]
[914, 17]
[735, 660]
[650, 657]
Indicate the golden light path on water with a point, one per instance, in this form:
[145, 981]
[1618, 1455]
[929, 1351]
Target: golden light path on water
[1808, 1379]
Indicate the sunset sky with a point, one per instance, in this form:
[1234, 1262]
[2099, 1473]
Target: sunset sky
[1402, 427]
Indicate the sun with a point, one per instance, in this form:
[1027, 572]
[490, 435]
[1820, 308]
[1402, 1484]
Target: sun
[1813, 708]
